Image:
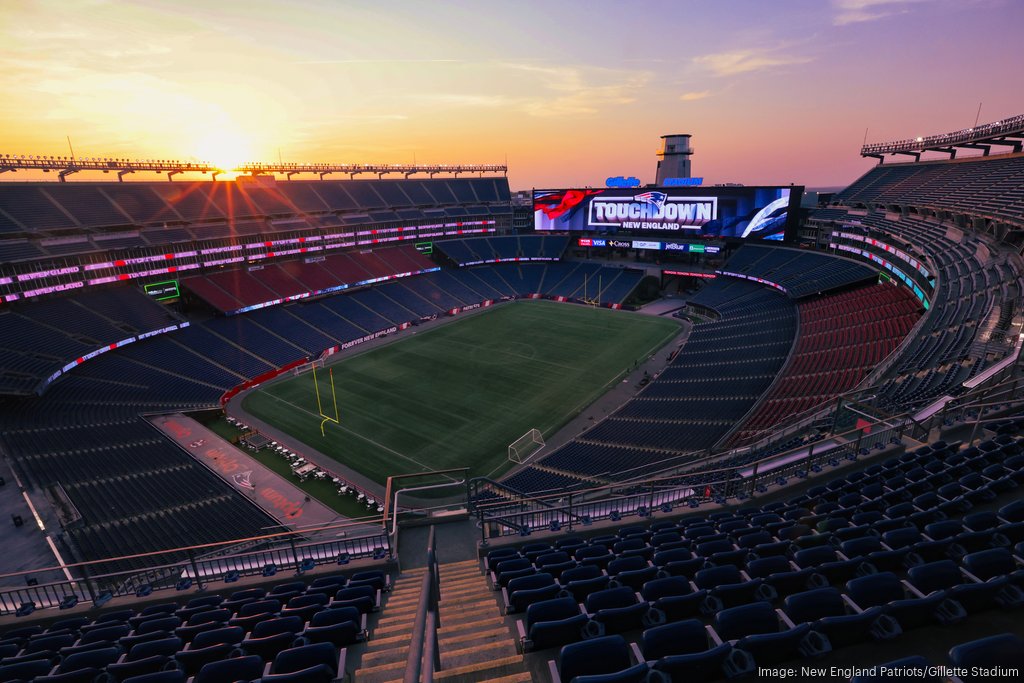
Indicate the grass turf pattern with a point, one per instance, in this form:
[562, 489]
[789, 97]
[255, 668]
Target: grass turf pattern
[456, 395]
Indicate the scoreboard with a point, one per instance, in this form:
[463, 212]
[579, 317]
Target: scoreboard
[762, 213]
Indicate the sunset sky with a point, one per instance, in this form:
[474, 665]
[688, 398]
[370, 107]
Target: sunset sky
[569, 91]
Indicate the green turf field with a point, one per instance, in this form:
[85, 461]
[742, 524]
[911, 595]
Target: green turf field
[456, 395]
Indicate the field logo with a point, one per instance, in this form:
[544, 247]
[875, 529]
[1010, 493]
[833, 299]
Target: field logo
[244, 480]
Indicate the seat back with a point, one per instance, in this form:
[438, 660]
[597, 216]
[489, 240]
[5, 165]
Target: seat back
[336, 615]
[305, 656]
[678, 638]
[228, 634]
[1003, 650]
[717, 576]
[530, 582]
[163, 646]
[551, 610]
[623, 564]
[744, 620]
[585, 571]
[663, 557]
[603, 655]
[272, 627]
[764, 567]
[235, 669]
[874, 589]
[259, 607]
[934, 576]
[610, 598]
[669, 585]
[815, 604]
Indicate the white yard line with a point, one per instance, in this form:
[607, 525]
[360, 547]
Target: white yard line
[355, 434]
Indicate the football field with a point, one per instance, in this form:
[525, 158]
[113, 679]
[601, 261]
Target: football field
[457, 394]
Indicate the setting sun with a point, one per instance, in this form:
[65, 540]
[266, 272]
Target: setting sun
[224, 148]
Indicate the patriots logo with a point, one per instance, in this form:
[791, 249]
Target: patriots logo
[244, 480]
[656, 198]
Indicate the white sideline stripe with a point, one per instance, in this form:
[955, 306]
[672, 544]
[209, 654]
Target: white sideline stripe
[32, 509]
[60, 560]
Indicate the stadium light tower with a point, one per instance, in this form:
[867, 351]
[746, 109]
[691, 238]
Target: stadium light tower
[674, 157]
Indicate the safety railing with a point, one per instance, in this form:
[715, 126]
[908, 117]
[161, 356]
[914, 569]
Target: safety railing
[558, 511]
[424, 658]
[182, 569]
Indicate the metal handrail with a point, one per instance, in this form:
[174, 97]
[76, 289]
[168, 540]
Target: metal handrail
[170, 567]
[980, 133]
[424, 655]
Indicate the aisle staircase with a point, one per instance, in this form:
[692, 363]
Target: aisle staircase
[476, 645]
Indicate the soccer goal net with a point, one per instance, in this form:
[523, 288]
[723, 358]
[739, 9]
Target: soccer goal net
[306, 367]
[526, 446]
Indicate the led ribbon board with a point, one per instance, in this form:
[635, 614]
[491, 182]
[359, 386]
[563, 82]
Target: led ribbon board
[162, 291]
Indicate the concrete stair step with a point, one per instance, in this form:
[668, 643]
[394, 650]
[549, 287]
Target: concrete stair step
[481, 588]
[452, 637]
[478, 589]
[403, 585]
[385, 656]
[463, 563]
[466, 581]
[472, 568]
[465, 656]
[380, 672]
[453, 645]
[482, 635]
[391, 631]
[402, 603]
[454, 575]
[473, 673]
[475, 598]
[399, 611]
[521, 677]
[385, 642]
[387, 620]
[485, 623]
[447, 579]
[471, 615]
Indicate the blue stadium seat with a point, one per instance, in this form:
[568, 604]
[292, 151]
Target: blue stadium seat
[607, 655]
[758, 629]
[902, 603]
[619, 610]
[247, 668]
[683, 651]
[551, 623]
[1000, 652]
[945, 575]
[339, 626]
[317, 663]
[827, 613]
[676, 598]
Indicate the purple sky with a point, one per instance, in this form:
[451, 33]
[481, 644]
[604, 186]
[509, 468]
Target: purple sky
[569, 91]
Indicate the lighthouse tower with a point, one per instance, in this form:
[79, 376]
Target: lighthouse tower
[674, 157]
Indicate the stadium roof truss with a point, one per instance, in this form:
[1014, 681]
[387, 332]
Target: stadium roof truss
[1005, 133]
[65, 166]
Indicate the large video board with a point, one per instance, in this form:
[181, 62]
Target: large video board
[748, 212]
